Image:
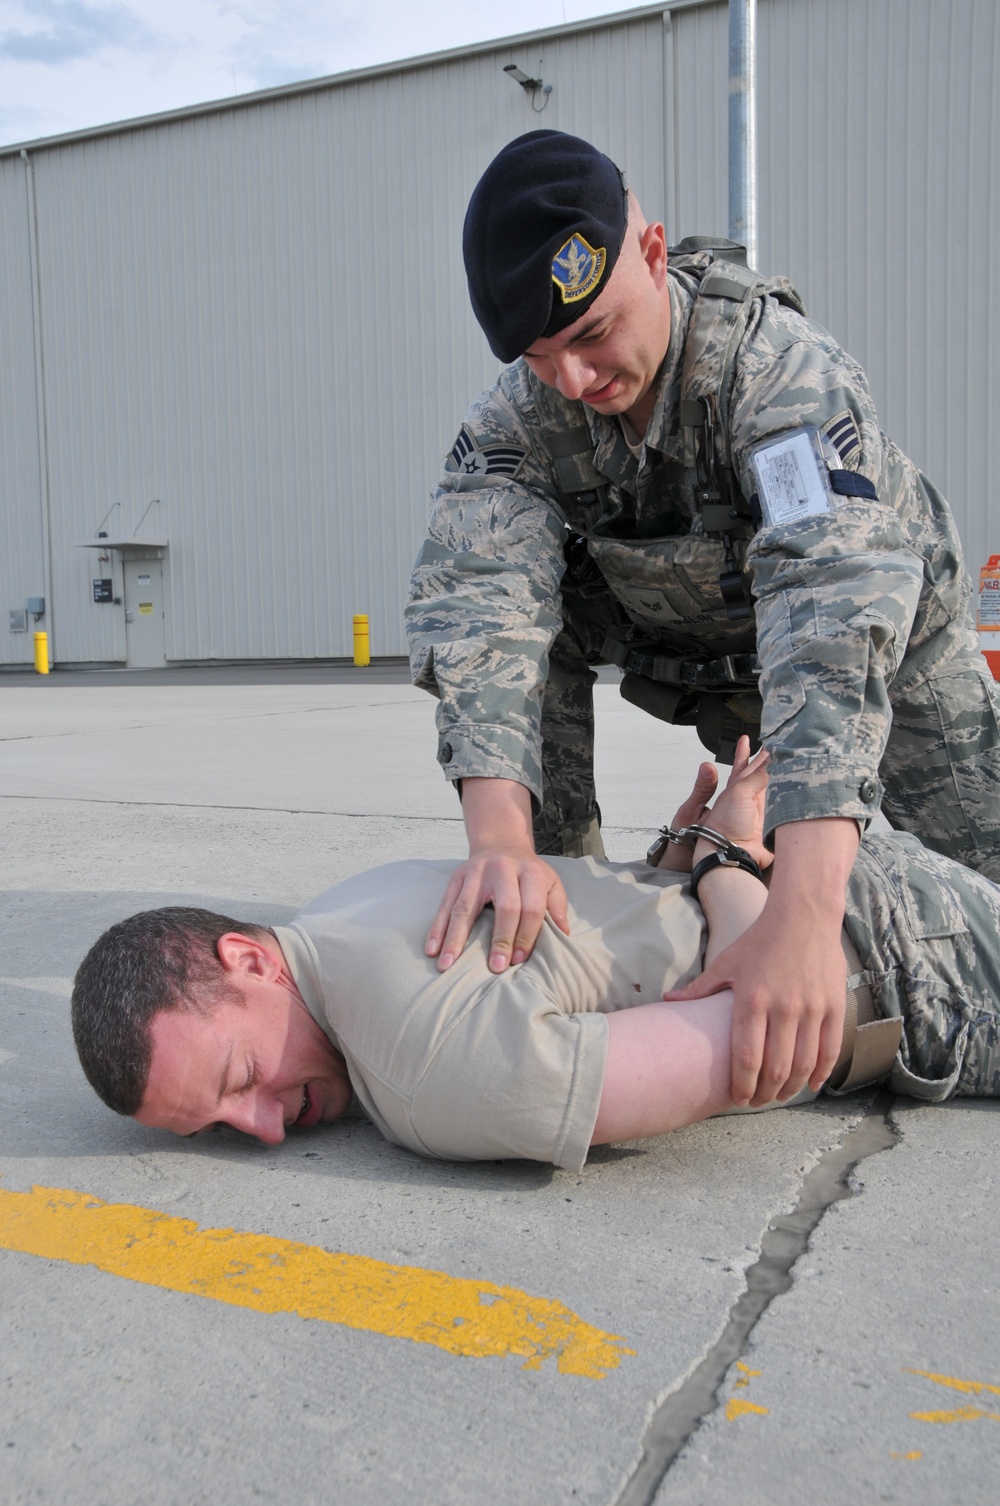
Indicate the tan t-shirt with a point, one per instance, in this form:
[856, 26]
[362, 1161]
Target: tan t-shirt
[472, 1066]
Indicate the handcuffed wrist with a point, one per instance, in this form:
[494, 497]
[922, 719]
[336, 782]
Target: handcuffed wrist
[687, 836]
[730, 856]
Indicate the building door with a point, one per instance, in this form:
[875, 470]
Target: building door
[144, 626]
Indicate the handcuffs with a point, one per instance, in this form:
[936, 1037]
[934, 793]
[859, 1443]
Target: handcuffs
[728, 855]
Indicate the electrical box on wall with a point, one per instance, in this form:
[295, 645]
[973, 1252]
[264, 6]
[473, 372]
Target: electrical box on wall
[19, 621]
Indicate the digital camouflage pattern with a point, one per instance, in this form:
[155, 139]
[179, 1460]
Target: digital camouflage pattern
[925, 929]
[871, 671]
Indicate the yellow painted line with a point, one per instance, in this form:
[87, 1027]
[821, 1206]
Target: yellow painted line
[737, 1407]
[460, 1316]
[973, 1388]
[960, 1414]
[915, 1453]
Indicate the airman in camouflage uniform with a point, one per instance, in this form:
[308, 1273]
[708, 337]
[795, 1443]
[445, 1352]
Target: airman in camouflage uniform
[869, 659]
[560, 538]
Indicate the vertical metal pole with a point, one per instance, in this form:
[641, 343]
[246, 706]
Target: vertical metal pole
[40, 397]
[743, 125]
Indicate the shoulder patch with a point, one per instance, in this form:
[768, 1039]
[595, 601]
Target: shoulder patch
[844, 435]
[470, 459]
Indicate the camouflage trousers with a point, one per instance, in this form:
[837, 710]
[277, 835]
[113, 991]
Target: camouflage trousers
[926, 931]
[941, 767]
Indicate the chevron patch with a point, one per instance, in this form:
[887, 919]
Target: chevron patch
[843, 434]
[470, 459]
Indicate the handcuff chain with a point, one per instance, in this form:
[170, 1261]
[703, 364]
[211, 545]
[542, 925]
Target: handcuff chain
[696, 829]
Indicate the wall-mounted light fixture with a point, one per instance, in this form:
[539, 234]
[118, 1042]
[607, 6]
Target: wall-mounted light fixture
[522, 78]
[530, 85]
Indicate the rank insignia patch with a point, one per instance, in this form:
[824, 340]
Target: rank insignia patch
[471, 459]
[842, 432]
[577, 268]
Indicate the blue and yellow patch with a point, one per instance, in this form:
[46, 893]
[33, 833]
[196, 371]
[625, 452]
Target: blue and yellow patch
[577, 268]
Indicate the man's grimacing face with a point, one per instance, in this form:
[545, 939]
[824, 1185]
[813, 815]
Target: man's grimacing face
[610, 357]
[257, 1062]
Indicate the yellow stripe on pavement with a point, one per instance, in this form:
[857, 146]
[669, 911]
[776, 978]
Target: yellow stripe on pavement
[736, 1407]
[472, 1318]
[960, 1414]
[975, 1388]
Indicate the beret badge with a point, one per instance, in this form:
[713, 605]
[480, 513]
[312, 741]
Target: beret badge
[577, 268]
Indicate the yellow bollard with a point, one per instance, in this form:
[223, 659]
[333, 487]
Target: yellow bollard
[42, 653]
[362, 646]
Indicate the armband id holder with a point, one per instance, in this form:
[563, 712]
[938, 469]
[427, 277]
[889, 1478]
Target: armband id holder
[792, 473]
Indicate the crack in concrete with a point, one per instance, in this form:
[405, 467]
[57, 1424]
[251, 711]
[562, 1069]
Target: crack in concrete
[787, 1237]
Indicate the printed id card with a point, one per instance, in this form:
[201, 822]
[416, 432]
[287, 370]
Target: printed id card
[791, 476]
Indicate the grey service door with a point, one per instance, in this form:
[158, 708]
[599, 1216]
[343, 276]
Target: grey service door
[144, 626]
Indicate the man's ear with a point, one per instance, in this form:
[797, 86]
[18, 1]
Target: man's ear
[653, 246]
[250, 956]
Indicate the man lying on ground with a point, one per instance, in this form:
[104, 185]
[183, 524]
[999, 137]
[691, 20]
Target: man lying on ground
[185, 1019]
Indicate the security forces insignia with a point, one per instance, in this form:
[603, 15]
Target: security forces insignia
[577, 268]
[470, 459]
[843, 434]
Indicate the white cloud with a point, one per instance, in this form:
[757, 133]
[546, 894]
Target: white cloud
[68, 29]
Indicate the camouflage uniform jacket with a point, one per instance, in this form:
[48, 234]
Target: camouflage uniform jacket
[841, 599]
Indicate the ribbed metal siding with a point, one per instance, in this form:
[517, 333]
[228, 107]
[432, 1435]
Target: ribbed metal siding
[879, 184]
[698, 121]
[22, 567]
[880, 195]
[259, 318]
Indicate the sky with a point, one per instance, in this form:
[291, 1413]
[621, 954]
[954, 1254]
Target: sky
[67, 65]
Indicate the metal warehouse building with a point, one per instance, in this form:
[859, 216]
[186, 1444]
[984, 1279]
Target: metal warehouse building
[236, 340]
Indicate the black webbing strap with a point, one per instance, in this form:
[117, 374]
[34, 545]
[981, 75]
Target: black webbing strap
[694, 674]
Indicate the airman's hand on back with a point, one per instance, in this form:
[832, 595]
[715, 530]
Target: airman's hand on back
[503, 870]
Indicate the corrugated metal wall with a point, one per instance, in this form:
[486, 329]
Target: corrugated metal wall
[257, 315]
[880, 190]
[879, 195]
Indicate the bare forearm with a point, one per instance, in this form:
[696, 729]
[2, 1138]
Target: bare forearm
[667, 1066]
[497, 812]
[812, 863]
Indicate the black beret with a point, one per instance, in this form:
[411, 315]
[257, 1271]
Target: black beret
[542, 234]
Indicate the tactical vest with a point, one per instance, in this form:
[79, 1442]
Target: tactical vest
[671, 684]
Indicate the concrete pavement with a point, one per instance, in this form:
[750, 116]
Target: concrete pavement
[874, 1372]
